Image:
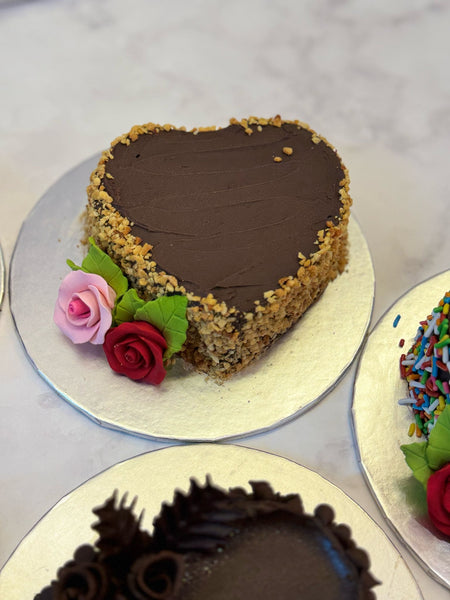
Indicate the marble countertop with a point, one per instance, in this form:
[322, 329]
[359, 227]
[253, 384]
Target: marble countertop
[372, 77]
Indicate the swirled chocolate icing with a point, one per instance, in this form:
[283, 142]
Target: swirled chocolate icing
[222, 213]
[276, 557]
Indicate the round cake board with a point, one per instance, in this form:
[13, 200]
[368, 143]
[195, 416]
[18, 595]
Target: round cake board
[153, 478]
[381, 426]
[299, 369]
[2, 277]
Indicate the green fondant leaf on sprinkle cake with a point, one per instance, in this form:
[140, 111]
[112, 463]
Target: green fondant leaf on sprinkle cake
[98, 262]
[168, 314]
[127, 306]
[415, 456]
[438, 450]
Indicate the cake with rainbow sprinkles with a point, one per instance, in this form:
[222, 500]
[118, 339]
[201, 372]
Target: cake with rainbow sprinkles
[426, 369]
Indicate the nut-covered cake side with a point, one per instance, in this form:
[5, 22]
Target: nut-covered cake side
[222, 337]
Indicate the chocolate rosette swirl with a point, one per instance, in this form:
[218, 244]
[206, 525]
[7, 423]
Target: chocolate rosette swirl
[81, 581]
[156, 576]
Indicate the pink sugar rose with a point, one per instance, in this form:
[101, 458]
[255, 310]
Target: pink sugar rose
[83, 309]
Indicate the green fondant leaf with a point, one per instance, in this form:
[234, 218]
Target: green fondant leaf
[438, 451]
[73, 266]
[415, 456]
[98, 262]
[168, 314]
[127, 306]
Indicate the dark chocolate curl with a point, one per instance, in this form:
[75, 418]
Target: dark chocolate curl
[156, 576]
[81, 582]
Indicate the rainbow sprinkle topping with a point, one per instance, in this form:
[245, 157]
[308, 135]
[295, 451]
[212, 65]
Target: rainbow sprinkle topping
[426, 368]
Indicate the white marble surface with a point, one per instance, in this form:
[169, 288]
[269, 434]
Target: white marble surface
[372, 77]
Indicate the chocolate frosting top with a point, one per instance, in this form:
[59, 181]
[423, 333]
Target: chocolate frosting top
[221, 214]
[274, 557]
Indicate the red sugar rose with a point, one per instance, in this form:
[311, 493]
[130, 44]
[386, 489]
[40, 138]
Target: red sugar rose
[438, 499]
[136, 350]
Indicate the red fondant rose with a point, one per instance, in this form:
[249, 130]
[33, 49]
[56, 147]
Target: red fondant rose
[438, 499]
[136, 350]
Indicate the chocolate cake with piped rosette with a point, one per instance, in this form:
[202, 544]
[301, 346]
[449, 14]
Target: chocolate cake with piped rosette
[215, 545]
[249, 222]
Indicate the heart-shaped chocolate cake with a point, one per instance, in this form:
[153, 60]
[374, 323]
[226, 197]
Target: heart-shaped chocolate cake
[249, 222]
